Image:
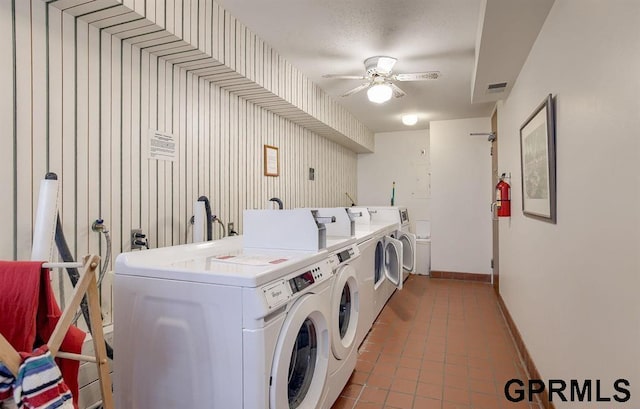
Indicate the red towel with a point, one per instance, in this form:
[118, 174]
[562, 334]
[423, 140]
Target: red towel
[29, 314]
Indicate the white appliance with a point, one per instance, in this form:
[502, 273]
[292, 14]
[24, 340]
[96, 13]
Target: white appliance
[355, 221]
[400, 216]
[217, 325]
[364, 267]
[375, 287]
[379, 270]
[344, 319]
[423, 247]
[388, 268]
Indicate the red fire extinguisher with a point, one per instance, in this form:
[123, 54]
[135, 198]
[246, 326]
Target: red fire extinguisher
[503, 198]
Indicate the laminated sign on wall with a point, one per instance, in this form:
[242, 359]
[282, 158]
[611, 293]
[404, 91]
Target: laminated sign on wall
[162, 146]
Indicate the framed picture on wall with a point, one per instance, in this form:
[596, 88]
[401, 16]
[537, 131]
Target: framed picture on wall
[271, 161]
[538, 163]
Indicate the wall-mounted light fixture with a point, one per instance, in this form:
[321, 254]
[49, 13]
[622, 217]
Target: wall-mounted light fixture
[410, 119]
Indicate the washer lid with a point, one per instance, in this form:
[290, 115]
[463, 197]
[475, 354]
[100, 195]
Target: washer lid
[223, 262]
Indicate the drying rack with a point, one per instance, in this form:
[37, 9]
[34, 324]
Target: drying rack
[86, 285]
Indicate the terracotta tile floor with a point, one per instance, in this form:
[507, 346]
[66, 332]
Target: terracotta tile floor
[436, 344]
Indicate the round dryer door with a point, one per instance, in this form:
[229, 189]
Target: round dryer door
[345, 305]
[301, 359]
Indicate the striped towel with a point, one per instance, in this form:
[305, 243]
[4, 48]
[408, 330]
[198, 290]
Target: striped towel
[39, 383]
[6, 387]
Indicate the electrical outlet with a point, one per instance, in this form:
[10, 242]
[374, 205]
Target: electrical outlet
[138, 240]
[312, 174]
[229, 227]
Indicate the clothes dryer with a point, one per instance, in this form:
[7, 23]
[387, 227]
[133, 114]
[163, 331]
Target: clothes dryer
[374, 289]
[399, 216]
[388, 269]
[218, 325]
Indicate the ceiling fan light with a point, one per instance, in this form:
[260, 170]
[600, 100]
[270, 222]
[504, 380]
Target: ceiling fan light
[410, 119]
[379, 93]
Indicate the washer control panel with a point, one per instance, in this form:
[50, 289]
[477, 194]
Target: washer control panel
[343, 256]
[301, 281]
[304, 280]
[276, 293]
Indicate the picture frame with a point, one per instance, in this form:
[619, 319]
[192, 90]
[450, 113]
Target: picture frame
[538, 163]
[271, 161]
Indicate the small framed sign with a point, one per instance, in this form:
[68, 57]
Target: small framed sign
[271, 161]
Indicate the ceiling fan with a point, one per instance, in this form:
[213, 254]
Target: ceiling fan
[379, 79]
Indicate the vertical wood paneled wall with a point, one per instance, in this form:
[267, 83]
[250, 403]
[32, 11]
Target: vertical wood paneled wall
[204, 36]
[79, 101]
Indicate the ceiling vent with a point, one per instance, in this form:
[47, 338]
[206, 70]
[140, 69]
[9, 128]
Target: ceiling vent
[496, 87]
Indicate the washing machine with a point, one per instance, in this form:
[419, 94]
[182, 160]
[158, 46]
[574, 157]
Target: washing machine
[218, 325]
[400, 216]
[354, 223]
[344, 319]
[364, 267]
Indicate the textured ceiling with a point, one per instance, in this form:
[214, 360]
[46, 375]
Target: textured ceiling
[336, 36]
[473, 43]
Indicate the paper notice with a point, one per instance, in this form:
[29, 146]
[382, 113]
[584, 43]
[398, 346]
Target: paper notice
[162, 146]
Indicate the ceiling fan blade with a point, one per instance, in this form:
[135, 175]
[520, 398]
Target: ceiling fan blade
[397, 92]
[417, 76]
[345, 77]
[356, 89]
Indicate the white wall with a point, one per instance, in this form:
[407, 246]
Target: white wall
[402, 157]
[572, 288]
[460, 196]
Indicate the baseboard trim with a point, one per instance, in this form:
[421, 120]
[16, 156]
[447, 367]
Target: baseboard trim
[530, 366]
[452, 275]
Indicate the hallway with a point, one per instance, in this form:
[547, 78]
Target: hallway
[437, 344]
